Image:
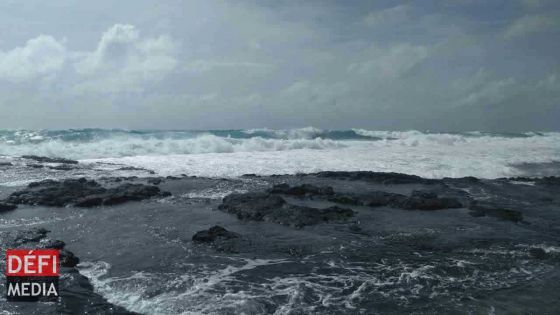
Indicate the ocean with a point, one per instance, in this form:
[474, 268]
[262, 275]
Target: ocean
[231, 153]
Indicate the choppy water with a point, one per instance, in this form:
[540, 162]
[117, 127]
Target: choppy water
[230, 153]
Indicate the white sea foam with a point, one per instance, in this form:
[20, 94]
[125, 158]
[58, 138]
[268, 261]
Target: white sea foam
[267, 151]
[428, 155]
[132, 146]
[191, 293]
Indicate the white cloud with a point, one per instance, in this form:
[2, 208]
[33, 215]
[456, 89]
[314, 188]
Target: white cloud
[390, 15]
[123, 60]
[390, 63]
[41, 56]
[199, 66]
[529, 24]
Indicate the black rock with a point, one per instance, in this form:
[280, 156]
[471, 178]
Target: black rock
[154, 180]
[380, 177]
[251, 206]
[7, 207]
[89, 201]
[44, 159]
[549, 181]
[480, 209]
[68, 259]
[54, 244]
[6, 164]
[538, 253]
[418, 200]
[214, 233]
[302, 190]
[57, 194]
[30, 236]
[129, 192]
[384, 199]
[426, 200]
[62, 167]
[81, 193]
[347, 199]
[272, 208]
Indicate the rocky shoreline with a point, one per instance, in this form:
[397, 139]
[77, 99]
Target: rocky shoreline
[365, 206]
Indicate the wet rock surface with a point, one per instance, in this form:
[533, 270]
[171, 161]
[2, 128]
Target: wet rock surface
[7, 207]
[44, 159]
[418, 200]
[81, 193]
[272, 208]
[379, 177]
[343, 243]
[481, 209]
[219, 238]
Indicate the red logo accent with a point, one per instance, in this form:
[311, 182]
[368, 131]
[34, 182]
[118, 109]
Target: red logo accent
[32, 262]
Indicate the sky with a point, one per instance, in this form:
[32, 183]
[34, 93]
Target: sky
[448, 65]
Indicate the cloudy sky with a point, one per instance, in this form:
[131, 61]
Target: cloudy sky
[430, 65]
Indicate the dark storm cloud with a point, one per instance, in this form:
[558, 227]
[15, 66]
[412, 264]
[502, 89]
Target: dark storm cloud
[438, 65]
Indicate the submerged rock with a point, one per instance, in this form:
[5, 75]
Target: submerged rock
[54, 244]
[81, 193]
[44, 159]
[214, 233]
[425, 200]
[480, 209]
[380, 177]
[538, 253]
[30, 236]
[7, 207]
[302, 190]
[68, 259]
[272, 208]
[154, 180]
[418, 200]
[219, 238]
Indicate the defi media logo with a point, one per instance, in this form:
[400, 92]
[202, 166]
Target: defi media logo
[32, 274]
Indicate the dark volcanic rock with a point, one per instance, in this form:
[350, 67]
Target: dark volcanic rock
[7, 207]
[44, 159]
[382, 199]
[419, 200]
[68, 259]
[212, 234]
[380, 177]
[129, 192]
[81, 193]
[549, 181]
[267, 207]
[302, 190]
[423, 200]
[480, 209]
[54, 244]
[6, 164]
[57, 194]
[30, 236]
[154, 180]
[538, 253]
[219, 238]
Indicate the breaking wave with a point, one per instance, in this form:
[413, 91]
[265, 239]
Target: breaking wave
[230, 153]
